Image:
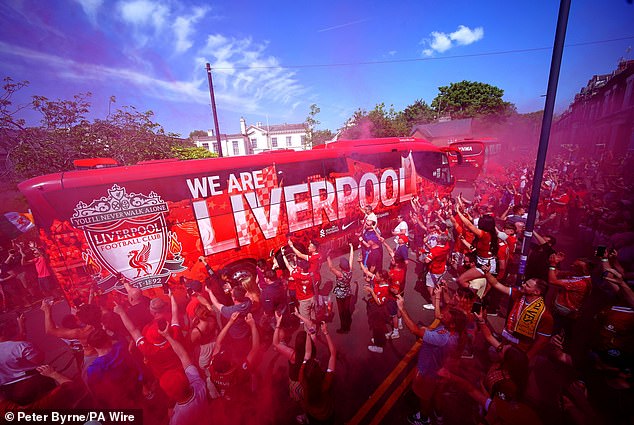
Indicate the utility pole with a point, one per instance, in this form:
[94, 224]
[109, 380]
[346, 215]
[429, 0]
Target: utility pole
[547, 119]
[213, 109]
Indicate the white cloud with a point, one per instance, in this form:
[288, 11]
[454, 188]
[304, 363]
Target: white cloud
[465, 35]
[173, 90]
[182, 27]
[91, 7]
[143, 13]
[440, 42]
[242, 68]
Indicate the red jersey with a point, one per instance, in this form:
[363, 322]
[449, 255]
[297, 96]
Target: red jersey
[503, 255]
[382, 290]
[397, 276]
[157, 351]
[483, 245]
[438, 256]
[302, 284]
[570, 297]
[314, 262]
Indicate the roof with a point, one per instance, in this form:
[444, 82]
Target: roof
[279, 128]
[451, 128]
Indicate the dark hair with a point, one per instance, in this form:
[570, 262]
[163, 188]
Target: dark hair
[261, 263]
[270, 274]
[486, 223]
[303, 265]
[458, 319]
[315, 242]
[90, 314]
[344, 264]
[312, 380]
[515, 362]
[300, 347]
[465, 293]
[99, 339]
[384, 275]
[239, 293]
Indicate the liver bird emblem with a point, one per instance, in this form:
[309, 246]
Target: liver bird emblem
[138, 260]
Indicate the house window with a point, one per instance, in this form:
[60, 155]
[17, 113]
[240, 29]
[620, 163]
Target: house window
[254, 143]
[288, 141]
[303, 139]
[214, 147]
[273, 142]
[206, 145]
[236, 149]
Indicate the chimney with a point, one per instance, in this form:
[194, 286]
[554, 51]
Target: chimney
[258, 124]
[243, 126]
[210, 133]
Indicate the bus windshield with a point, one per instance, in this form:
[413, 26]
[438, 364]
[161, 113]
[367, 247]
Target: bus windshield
[433, 166]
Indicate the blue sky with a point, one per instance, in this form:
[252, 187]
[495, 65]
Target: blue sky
[273, 59]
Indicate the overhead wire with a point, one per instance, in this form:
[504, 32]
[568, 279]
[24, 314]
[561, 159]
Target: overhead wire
[426, 59]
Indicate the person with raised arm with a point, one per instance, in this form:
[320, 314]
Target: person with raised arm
[529, 325]
[342, 290]
[318, 401]
[437, 345]
[183, 385]
[378, 288]
[151, 343]
[233, 375]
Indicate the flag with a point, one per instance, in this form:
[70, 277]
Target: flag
[13, 224]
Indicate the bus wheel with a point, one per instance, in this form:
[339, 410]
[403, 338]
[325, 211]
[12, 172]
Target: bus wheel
[241, 271]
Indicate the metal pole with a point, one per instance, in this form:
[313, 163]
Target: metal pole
[213, 109]
[553, 79]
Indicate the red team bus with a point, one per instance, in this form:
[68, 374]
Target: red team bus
[476, 154]
[149, 223]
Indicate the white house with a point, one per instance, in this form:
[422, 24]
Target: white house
[257, 138]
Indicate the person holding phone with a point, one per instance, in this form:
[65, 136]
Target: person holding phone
[150, 341]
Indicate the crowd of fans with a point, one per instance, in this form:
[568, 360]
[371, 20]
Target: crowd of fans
[562, 354]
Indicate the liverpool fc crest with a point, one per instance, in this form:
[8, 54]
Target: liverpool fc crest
[129, 239]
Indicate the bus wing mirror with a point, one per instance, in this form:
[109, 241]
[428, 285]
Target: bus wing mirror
[453, 151]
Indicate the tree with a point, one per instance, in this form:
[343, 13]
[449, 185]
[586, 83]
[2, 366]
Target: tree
[310, 124]
[192, 152]
[418, 112]
[197, 133]
[321, 136]
[379, 122]
[468, 99]
[127, 135]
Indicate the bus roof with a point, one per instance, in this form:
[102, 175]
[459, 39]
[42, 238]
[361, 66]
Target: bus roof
[157, 169]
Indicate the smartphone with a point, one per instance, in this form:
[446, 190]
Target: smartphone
[476, 308]
[600, 251]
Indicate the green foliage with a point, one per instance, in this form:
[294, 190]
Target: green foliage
[379, 122]
[468, 99]
[310, 123]
[127, 135]
[321, 136]
[192, 152]
[197, 133]
[418, 112]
